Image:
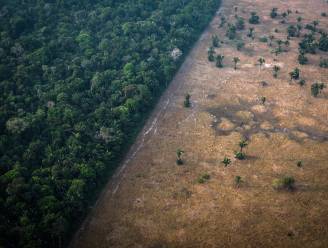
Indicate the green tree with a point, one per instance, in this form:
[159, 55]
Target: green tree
[276, 69]
[261, 61]
[235, 60]
[254, 19]
[179, 154]
[219, 60]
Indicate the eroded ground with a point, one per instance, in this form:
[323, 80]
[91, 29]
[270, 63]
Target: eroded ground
[152, 202]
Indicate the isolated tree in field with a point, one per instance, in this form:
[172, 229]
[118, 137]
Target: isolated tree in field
[215, 41]
[219, 60]
[254, 19]
[295, 74]
[299, 29]
[315, 24]
[289, 11]
[186, 102]
[276, 69]
[263, 100]
[302, 82]
[179, 153]
[236, 60]
[323, 42]
[231, 32]
[299, 164]
[287, 43]
[223, 21]
[261, 62]
[316, 88]
[239, 45]
[238, 181]
[240, 154]
[299, 19]
[271, 38]
[284, 15]
[240, 23]
[274, 13]
[251, 32]
[302, 59]
[284, 183]
[226, 161]
[210, 54]
[292, 31]
[279, 42]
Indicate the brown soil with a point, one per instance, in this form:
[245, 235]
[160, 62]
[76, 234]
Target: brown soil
[152, 202]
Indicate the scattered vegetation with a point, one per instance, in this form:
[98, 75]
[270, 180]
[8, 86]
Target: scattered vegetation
[179, 154]
[238, 181]
[215, 41]
[219, 60]
[276, 69]
[254, 19]
[295, 74]
[316, 88]
[235, 61]
[186, 102]
[226, 161]
[203, 178]
[284, 183]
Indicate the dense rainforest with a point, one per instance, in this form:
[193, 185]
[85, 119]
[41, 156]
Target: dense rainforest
[76, 78]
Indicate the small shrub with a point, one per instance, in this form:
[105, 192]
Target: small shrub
[284, 183]
[316, 88]
[274, 13]
[299, 163]
[240, 155]
[203, 178]
[238, 180]
[254, 19]
[186, 102]
[323, 63]
[263, 39]
[240, 45]
[302, 82]
[226, 161]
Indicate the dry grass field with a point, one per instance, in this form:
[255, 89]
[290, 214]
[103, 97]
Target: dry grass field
[153, 202]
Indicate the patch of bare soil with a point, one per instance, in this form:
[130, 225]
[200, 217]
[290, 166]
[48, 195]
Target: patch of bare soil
[153, 202]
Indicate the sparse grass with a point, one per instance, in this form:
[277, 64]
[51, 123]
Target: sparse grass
[284, 183]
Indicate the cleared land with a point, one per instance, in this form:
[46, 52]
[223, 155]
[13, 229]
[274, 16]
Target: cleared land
[152, 202]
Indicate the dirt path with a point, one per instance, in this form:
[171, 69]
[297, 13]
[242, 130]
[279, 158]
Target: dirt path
[152, 202]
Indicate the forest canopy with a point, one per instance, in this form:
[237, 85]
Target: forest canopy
[75, 80]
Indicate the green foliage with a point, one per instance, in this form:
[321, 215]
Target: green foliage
[308, 44]
[284, 183]
[210, 54]
[254, 19]
[203, 178]
[240, 155]
[295, 74]
[299, 164]
[276, 69]
[274, 13]
[76, 80]
[323, 63]
[302, 82]
[179, 154]
[231, 31]
[302, 59]
[226, 161]
[261, 61]
[186, 102]
[263, 39]
[236, 60]
[263, 100]
[215, 41]
[219, 60]
[292, 31]
[238, 180]
[239, 45]
[316, 88]
[240, 23]
[251, 32]
[323, 42]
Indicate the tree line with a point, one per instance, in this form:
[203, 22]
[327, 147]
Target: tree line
[75, 80]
